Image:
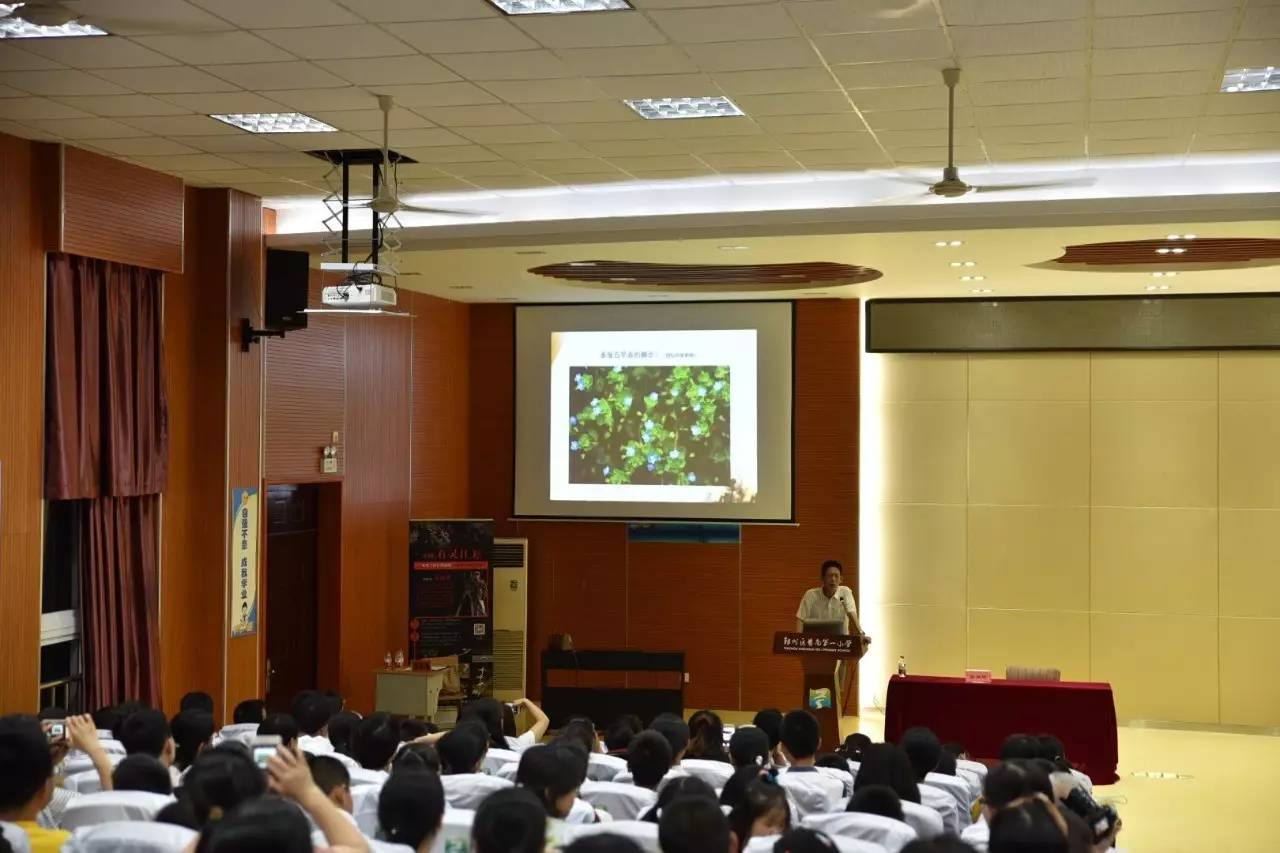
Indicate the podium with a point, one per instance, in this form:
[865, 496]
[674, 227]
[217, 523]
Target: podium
[818, 650]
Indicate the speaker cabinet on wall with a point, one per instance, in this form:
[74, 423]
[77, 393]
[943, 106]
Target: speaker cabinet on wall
[287, 284]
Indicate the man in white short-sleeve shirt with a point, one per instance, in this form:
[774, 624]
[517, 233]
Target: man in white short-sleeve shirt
[830, 602]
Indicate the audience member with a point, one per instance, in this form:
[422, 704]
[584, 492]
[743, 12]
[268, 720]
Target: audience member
[312, 712]
[332, 778]
[811, 790]
[853, 747]
[749, 747]
[769, 721]
[676, 731]
[649, 758]
[462, 749]
[221, 779]
[537, 729]
[488, 713]
[757, 805]
[956, 750]
[941, 844]
[335, 701]
[192, 732]
[706, 737]
[147, 732]
[923, 750]
[512, 820]
[802, 840]
[603, 842]
[553, 772]
[342, 728]
[583, 731]
[694, 824]
[416, 756]
[1019, 746]
[410, 808]
[1028, 825]
[249, 711]
[411, 729]
[876, 799]
[620, 732]
[197, 700]
[375, 742]
[676, 788]
[26, 783]
[886, 764]
[142, 772]
[107, 719]
[283, 726]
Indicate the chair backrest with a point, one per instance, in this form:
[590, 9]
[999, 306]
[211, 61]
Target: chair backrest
[469, 790]
[455, 832]
[241, 732]
[945, 805]
[110, 746]
[890, 834]
[1032, 673]
[364, 808]
[604, 768]
[77, 762]
[714, 773]
[958, 789]
[621, 801]
[641, 832]
[131, 836]
[495, 759]
[764, 844]
[82, 782]
[812, 793]
[924, 820]
[507, 771]
[16, 836]
[844, 777]
[320, 842]
[109, 806]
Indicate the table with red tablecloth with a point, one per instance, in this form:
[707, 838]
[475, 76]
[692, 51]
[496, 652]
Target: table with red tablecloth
[1080, 714]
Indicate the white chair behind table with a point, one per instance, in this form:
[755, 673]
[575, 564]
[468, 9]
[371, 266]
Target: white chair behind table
[455, 832]
[131, 836]
[495, 759]
[945, 805]
[364, 808]
[958, 789]
[604, 768]
[110, 806]
[643, 833]
[469, 790]
[924, 820]
[890, 834]
[714, 773]
[16, 836]
[621, 801]
[764, 844]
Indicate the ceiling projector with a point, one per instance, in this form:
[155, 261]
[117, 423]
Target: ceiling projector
[359, 296]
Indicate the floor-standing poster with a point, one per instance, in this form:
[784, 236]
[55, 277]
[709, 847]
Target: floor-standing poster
[451, 597]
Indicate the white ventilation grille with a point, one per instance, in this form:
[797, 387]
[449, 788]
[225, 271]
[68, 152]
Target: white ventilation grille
[508, 661]
[510, 617]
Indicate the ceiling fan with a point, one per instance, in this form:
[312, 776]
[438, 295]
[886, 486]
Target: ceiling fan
[386, 198]
[951, 185]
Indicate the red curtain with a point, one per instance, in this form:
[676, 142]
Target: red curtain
[106, 446]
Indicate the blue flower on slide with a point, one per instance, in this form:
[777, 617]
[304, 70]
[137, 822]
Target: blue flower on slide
[577, 380]
[675, 392]
[696, 430]
[717, 385]
[653, 396]
[573, 420]
[573, 445]
[626, 402]
[644, 436]
[649, 467]
[605, 470]
[653, 457]
[697, 407]
[693, 478]
[631, 451]
[648, 425]
[702, 392]
[675, 454]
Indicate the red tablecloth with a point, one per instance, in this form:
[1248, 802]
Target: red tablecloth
[1081, 714]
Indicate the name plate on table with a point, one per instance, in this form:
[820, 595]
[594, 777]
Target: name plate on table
[836, 645]
[977, 676]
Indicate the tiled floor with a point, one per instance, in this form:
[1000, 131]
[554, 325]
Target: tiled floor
[1207, 792]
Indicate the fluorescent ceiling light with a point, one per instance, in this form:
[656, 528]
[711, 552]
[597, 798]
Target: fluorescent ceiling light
[558, 7]
[19, 28]
[275, 122]
[712, 106]
[1251, 79]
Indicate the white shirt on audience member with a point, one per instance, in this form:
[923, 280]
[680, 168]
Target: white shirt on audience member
[977, 834]
[815, 606]
[520, 744]
[812, 791]
[315, 744]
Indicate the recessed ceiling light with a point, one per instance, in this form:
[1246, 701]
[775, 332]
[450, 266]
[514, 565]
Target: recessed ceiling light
[964, 263]
[711, 106]
[582, 263]
[622, 279]
[981, 290]
[1163, 250]
[1177, 250]
[19, 27]
[275, 122]
[1251, 79]
[1163, 274]
[973, 278]
[734, 248]
[1157, 287]
[558, 7]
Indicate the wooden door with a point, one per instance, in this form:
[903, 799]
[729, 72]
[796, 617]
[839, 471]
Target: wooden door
[292, 579]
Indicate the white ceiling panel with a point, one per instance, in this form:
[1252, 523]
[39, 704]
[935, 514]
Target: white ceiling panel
[744, 23]
[657, 86]
[778, 160]
[22, 109]
[273, 159]
[366, 120]
[626, 130]
[1147, 60]
[836, 159]
[1034, 133]
[1250, 102]
[466, 36]
[232, 144]
[917, 119]
[777, 81]
[1120, 8]
[167, 80]
[750, 55]
[1247, 123]
[451, 154]
[876, 75]
[861, 141]
[510, 65]
[579, 111]
[1144, 108]
[1035, 113]
[382, 11]
[846, 122]
[358, 42]
[268, 76]
[14, 58]
[1252, 53]
[84, 128]
[1238, 142]
[1142, 128]
[213, 177]
[540, 150]
[473, 170]
[664, 162]
[1025, 66]
[344, 98]
[965, 135]
[1155, 85]
[226, 102]
[724, 126]
[438, 95]
[314, 141]
[825, 17]
[637, 147]
[1036, 150]
[475, 116]
[614, 29]
[574, 166]
[987, 12]
[1150, 30]
[66, 82]
[183, 126]
[1052, 89]
[726, 144]
[889, 46]
[256, 14]
[389, 70]
[216, 48]
[510, 133]
[10, 92]
[1261, 22]
[905, 98]
[542, 91]
[1055, 36]
[1157, 145]
[417, 137]
[101, 52]
[140, 17]
[627, 61]
[810, 103]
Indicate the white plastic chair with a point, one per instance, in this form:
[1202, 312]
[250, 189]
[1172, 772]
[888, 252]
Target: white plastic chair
[604, 768]
[111, 806]
[364, 808]
[812, 793]
[455, 832]
[132, 836]
[972, 766]
[714, 773]
[641, 832]
[469, 790]
[77, 762]
[923, 819]
[764, 844]
[958, 789]
[621, 801]
[945, 805]
[890, 834]
[16, 836]
[83, 782]
[495, 759]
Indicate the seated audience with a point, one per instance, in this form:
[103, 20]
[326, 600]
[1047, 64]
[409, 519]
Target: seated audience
[26, 783]
[416, 756]
[249, 711]
[535, 732]
[283, 726]
[757, 805]
[834, 765]
[488, 713]
[1019, 746]
[648, 759]
[509, 821]
[107, 719]
[749, 747]
[603, 842]
[583, 731]
[676, 731]
[802, 840]
[412, 729]
[220, 779]
[620, 732]
[1028, 825]
[811, 790]
[410, 808]
[147, 732]
[462, 749]
[941, 844]
[553, 772]
[192, 733]
[853, 747]
[769, 721]
[886, 764]
[141, 773]
[876, 799]
[197, 700]
[680, 786]
[312, 711]
[332, 778]
[694, 824]
[335, 701]
[375, 742]
[706, 737]
[342, 728]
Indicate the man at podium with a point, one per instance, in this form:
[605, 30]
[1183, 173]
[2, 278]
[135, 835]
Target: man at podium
[829, 603]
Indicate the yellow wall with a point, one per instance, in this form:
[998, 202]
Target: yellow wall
[1113, 515]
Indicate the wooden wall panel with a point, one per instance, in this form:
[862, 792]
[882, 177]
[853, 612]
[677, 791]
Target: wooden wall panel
[244, 417]
[121, 212]
[306, 400]
[441, 397]
[375, 501]
[672, 594]
[22, 451]
[193, 538]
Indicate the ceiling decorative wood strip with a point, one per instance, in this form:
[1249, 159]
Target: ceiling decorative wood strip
[708, 277]
[1215, 252]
